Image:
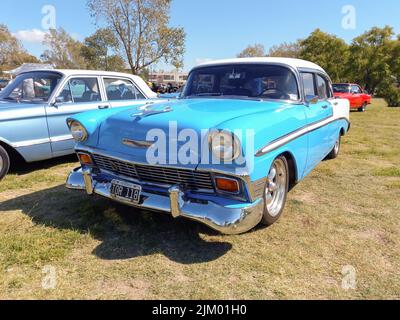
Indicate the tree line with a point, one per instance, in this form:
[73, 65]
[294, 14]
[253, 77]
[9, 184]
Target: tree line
[131, 34]
[371, 59]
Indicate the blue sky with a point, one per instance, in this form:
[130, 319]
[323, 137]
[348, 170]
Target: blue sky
[215, 28]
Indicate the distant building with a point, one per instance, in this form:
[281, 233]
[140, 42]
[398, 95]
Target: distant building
[173, 77]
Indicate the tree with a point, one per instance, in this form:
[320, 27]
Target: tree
[63, 51]
[142, 29]
[371, 58]
[12, 54]
[286, 50]
[328, 51]
[257, 50]
[96, 51]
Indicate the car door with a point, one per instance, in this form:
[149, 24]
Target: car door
[318, 111]
[122, 92]
[77, 94]
[356, 96]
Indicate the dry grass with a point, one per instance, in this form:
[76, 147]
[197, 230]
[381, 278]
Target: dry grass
[346, 212]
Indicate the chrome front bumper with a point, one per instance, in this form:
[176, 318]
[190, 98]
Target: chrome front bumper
[233, 219]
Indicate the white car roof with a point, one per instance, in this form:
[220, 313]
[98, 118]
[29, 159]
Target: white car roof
[138, 80]
[294, 63]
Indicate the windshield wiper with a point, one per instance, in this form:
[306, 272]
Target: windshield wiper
[211, 94]
[9, 99]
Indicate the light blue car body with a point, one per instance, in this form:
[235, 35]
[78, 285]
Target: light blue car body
[38, 131]
[302, 131]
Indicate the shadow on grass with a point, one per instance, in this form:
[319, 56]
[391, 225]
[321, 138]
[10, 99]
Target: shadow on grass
[125, 232]
[20, 167]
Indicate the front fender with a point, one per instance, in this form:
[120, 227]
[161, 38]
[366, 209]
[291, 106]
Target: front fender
[92, 121]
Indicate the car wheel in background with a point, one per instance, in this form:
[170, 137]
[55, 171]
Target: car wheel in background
[363, 108]
[4, 162]
[276, 190]
[336, 149]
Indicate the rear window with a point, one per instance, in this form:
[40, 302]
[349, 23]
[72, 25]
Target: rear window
[341, 88]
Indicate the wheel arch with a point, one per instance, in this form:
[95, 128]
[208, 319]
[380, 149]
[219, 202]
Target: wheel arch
[292, 165]
[12, 152]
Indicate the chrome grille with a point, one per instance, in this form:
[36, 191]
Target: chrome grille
[170, 176]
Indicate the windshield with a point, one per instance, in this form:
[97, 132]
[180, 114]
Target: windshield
[243, 80]
[341, 88]
[31, 87]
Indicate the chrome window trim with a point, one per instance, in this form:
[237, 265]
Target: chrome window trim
[121, 78]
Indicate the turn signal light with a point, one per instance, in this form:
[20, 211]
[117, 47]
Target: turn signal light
[84, 158]
[227, 185]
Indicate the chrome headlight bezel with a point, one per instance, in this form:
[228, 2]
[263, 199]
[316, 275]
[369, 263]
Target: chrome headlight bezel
[224, 145]
[78, 131]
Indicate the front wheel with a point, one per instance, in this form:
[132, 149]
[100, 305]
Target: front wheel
[4, 162]
[276, 191]
[363, 108]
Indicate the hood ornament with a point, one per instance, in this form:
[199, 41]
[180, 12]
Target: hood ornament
[146, 111]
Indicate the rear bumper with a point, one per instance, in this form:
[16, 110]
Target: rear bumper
[231, 219]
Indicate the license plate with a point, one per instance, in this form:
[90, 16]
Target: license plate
[125, 191]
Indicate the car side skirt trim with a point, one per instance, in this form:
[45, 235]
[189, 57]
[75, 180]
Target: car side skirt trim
[276, 144]
[29, 143]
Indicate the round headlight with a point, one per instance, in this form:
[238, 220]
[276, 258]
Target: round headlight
[225, 145]
[78, 131]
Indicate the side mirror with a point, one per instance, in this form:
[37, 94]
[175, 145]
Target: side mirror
[57, 101]
[311, 99]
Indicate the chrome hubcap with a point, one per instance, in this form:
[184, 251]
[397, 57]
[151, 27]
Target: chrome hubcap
[337, 146]
[276, 188]
[1, 164]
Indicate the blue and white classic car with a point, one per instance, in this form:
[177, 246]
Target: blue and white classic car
[35, 105]
[243, 133]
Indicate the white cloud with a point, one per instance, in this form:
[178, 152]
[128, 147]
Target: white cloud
[32, 35]
[202, 60]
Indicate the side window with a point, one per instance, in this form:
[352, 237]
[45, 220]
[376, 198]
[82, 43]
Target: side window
[322, 88]
[80, 90]
[121, 89]
[355, 90]
[308, 83]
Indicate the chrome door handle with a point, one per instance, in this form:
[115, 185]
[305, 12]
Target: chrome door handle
[104, 107]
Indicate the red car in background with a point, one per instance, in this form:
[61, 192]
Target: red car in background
[359, 99]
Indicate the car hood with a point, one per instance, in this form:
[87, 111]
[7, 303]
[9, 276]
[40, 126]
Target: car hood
[200, 115]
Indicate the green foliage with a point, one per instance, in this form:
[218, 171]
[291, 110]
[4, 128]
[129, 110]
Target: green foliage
[328, 51]
[12, 54]
[64, 52]
[143, 31]
[100, 51]
[391, 93]
[257, 50]
[371, 57]
[286, 50]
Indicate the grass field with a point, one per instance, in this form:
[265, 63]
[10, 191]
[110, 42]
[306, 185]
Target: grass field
[344, 216]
